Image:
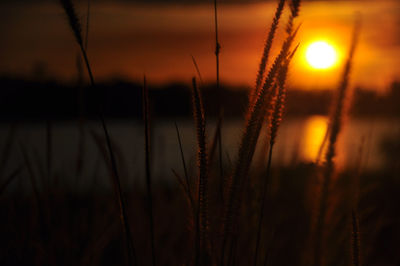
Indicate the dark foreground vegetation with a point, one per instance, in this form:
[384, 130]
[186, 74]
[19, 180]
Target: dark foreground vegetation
[59, 227]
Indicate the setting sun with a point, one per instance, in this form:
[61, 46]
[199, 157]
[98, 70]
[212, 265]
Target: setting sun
[321, 55]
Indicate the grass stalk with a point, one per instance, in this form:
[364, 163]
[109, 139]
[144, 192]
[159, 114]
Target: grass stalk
[43, 222]
[182, 183]
[81, 151]
[262, 206]
[355, 239]
[196, 66]
[49, 150]
[322, 146]
[266, 51]
[274, 125]
[215, 142]
[247, 147]
[87, 25]
[220, 112]
[77, 31]
[146, 118]
[336, 124]
[7, 149]
[268, 250]
[32, 177]
[187, 182]
[250, 136]
[9, 179]
[202, 160]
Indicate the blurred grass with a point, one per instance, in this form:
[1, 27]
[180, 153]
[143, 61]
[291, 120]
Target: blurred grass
[47, 223]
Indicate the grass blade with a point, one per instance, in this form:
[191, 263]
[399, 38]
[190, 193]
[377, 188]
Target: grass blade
[187, 183]
[77, 31]
[185, 189]
[11, 177]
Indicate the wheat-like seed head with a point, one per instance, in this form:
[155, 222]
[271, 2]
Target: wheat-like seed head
[202, 216]
[73, 20]
[267, 48]
[279, 104]
[248, 143]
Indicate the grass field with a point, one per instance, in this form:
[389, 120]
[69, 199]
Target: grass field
[236, 205]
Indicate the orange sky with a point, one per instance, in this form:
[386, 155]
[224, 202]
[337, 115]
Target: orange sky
[128, 40]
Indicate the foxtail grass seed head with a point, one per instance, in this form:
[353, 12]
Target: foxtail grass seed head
[267, 48]
[73, 20]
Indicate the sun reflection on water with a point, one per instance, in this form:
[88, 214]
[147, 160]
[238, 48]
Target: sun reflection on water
[314, 132]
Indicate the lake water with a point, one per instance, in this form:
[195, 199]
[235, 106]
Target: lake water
[298, 140]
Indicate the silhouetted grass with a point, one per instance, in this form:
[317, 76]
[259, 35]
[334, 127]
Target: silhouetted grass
[219, 99]
[146, 118]
[266, 52]
[336, 124]
[77, 30]
[239, 214]
[186, 184]
[248, 144]
[202, 256]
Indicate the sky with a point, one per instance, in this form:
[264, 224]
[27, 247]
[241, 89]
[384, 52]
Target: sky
[128, 40]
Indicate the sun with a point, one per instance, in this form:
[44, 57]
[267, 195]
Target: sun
[321, 55]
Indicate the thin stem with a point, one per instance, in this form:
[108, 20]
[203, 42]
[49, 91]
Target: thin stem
[248, 145]
[268, 251]
[196, 66]
[217, 52]
[11, 177]
[148, 173]
[263, 199]
[49, 149]
[355, 239]
[77, 31]
[87, 25]
[188, 188]
[116, 178]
